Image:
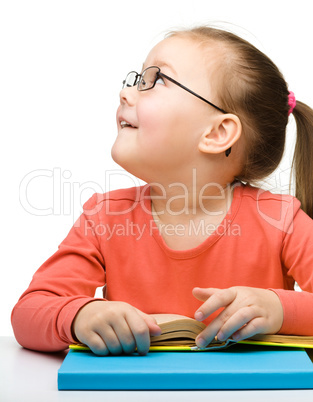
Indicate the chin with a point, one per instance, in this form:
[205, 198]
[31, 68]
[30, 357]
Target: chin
[114, 153]
[123, 160]
[129, 162]
[119, 152]
[116, 156]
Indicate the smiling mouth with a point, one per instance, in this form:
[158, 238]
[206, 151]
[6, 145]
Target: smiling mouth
[124, 124]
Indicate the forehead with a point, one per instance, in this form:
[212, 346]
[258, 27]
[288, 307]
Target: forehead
[183, 57]
[172, 52]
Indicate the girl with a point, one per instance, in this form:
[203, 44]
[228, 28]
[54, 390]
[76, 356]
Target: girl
[207, 114]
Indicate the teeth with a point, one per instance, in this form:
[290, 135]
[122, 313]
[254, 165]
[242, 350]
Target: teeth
[125, 124]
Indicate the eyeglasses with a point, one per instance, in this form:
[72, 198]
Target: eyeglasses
[149, 77]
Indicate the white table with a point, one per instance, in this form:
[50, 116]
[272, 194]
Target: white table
[32, 376]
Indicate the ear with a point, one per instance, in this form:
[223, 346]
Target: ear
[222, 134]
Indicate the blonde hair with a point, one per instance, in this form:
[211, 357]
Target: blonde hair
[254, 89]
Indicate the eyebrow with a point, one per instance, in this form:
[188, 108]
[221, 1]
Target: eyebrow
[161, 64]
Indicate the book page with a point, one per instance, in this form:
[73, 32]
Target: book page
[162, 318]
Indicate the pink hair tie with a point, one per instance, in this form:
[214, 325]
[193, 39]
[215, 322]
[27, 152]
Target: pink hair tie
[291, 102]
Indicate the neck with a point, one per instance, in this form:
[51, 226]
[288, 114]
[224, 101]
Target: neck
[179, 201]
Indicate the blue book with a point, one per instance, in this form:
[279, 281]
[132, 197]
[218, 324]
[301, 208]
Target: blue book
[239, 367]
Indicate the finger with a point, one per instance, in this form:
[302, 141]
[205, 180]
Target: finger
[203, 294]
[254, 327]
[151, 322]
[96, 344]
[236, 321]
[208, 334]
[221, 298]
[111, 340]
[140, 331]
[125, 336]
[225, 324]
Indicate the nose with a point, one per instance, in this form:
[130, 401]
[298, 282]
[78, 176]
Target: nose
[129, 95]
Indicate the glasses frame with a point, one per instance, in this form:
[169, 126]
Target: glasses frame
[159, 74]
[138, 81]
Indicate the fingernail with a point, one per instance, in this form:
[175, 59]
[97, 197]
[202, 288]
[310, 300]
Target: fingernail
[201, 343]
[220, 336]
[199, 316]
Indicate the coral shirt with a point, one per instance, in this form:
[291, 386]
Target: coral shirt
[264, 241]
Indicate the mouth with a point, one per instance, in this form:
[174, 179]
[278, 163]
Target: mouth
[125, 124]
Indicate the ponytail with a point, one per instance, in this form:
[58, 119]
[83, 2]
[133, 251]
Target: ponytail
[254, 89]
[302, 164]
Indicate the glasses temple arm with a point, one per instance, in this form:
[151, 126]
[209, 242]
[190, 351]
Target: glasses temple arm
[190, 91]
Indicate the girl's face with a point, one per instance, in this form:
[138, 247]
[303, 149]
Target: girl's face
[166, 121]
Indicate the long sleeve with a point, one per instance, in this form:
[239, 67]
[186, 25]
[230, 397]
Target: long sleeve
[297, 260]
[265, 241]
[43, 316]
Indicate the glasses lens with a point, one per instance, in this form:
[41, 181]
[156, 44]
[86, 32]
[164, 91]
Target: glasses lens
[148, 78]
[130, 80]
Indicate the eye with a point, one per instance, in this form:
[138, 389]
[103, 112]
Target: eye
[143, 83]
[160, 80]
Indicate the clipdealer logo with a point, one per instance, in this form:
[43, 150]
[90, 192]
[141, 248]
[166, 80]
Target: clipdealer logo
[136, 230]
[64, 196]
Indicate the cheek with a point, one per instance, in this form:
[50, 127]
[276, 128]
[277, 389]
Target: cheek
[151, 118]
[159, 123]
[169, 126]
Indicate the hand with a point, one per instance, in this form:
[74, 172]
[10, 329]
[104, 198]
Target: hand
[247, 312]
[114, 327]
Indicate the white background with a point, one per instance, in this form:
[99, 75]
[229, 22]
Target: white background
[62, 64]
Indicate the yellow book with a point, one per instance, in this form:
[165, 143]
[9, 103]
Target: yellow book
[179, 334]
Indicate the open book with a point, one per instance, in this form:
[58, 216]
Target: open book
[179, 333]
[178, 330]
